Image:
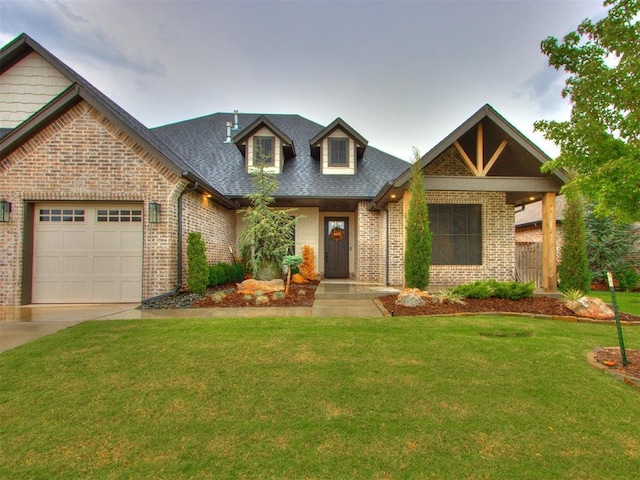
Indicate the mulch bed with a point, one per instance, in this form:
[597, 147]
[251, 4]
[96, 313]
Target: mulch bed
[534, 306]
[613, 355]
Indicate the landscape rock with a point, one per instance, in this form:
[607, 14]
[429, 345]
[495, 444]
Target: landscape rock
[250, 286]
[591, 307]
[413, 297]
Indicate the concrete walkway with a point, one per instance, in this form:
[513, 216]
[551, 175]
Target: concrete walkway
[339, 298]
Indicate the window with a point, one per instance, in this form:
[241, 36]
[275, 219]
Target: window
[264, 150]
[338, 152]
[457, 234]
[124, 216]
[61, 215]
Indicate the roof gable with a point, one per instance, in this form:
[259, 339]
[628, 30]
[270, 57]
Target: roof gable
[243, 135]
[80, 89]
[338, 123]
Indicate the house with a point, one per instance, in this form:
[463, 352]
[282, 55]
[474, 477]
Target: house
[96, 206]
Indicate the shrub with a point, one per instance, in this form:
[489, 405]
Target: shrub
[308, 266]
[477, 289]
[417, 255]
[574, 270]
[511, 290]
[492, 288]
[198, 271]
[628, 279]
[222, 273]
[572, 295]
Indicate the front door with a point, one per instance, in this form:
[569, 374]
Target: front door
[336, 247]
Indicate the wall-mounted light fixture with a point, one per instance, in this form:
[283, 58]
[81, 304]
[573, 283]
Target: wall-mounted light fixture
[5, 211]
[154, 212]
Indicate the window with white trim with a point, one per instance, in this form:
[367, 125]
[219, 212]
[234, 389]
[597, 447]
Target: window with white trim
[264, 149]
[338, 152]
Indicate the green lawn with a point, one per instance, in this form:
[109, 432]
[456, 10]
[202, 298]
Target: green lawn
[627, 302]
[391, 398]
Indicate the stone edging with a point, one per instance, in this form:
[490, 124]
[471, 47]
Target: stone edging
[629, 380]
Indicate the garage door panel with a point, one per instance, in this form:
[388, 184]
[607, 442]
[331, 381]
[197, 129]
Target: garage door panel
[77, 240]
[87, 253]
[49, 240]
[76, 265]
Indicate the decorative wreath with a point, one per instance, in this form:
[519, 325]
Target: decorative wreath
[337, 234]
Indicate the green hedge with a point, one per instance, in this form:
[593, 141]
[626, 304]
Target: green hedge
[495, 289]
[222, 273]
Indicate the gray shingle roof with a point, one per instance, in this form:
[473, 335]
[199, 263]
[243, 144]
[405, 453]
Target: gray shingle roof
[200, 143]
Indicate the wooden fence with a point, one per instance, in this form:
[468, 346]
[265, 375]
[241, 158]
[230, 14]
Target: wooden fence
[529, 262]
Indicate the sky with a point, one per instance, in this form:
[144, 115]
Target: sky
[401, 73]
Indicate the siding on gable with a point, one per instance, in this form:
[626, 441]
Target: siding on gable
[351, 149]
[26, 87]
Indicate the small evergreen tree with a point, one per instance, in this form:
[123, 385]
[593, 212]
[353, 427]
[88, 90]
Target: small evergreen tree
[268, 235]
[198, 269]
[574, 265]
[609, 244]
[308, 267]
[417, 255]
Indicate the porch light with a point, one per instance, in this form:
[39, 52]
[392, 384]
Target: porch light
[154, 212]
[5, 211]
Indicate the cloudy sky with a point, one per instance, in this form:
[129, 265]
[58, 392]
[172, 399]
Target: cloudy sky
[401, 73]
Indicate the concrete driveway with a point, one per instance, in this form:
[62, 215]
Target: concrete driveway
[23, 324]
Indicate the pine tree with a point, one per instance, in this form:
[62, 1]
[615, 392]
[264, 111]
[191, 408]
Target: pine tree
[574, 265]
[417, 255]
[268, 236]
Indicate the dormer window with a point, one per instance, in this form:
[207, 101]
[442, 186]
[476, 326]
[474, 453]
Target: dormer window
[338, 152]
[338, 148]
[264, 149]
[263, 144]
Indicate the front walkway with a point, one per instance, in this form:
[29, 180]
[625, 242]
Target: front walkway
[334, 298]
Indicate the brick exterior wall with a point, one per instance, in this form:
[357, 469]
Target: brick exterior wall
[216, 224]
[83, 156]
[396, 243]
[371, 243]
[498, 242]
[450, 162]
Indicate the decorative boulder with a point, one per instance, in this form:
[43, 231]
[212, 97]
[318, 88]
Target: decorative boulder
[297, 278]
[413, 297]
[591, 307]
[249, 287]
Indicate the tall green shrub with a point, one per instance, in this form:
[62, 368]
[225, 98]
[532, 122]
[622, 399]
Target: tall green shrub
[574, 265]
[609, 244]
[417, 255]
[268, 235]
[198, 269]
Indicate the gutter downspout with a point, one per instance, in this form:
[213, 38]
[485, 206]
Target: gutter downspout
[188, 189]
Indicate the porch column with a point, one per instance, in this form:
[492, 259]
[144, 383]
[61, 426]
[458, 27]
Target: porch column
[549, 267]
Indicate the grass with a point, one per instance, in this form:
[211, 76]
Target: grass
[628, 302]
[468, 397]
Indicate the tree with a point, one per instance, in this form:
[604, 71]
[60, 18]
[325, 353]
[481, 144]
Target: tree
[417, 255]
[198, 269]
[268, 235]
[574, 266]
[609, 244]
[600, 143]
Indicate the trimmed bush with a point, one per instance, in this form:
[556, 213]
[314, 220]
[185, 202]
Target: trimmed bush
[222, 273]
[197, 273]
[494, 289]
[477, 289]
[574, 270]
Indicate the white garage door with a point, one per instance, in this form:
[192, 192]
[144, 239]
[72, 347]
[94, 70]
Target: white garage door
[87, 253]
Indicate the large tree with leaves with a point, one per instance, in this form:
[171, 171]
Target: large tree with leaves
[417, 254]
[268, 235]
[600, 143]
